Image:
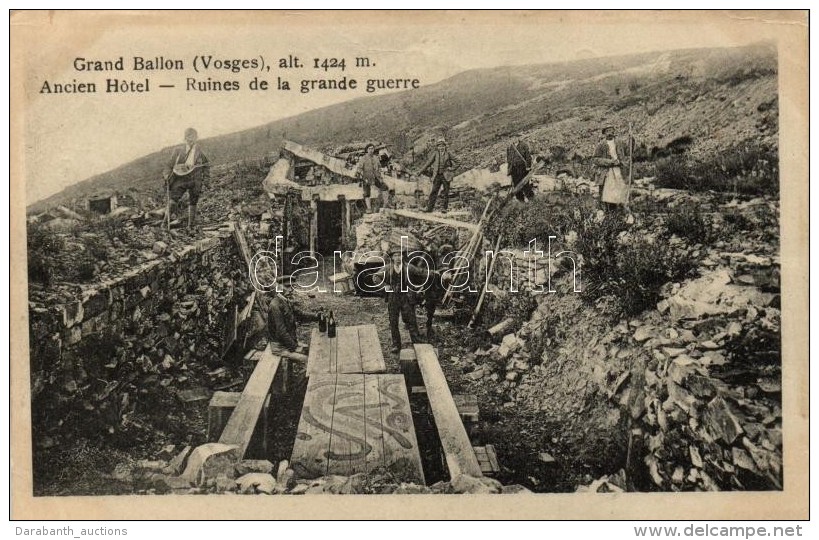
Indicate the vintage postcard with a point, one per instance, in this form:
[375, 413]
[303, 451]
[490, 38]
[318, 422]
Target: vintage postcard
[441, 264]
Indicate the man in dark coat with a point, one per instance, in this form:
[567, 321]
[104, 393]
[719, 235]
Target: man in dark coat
[400, 282]
[519, 163]
[187, 170]
[442, 166]
[280, 317]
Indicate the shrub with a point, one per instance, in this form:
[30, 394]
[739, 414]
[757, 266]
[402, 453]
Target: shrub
[43, 245]
[628, 268]
[642, 267]
[687, 221]
[746, 169]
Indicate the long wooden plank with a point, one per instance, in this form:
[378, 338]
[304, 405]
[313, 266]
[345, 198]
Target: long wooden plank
[241, 241]
[312, 445]
[428, 217]
[318, 357]
[348, 350]
[460, 457]
[348, 445]
[401, 454]
[242, 422]
[372, 357]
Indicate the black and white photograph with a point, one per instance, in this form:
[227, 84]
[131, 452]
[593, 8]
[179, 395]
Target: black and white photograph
[408, 255]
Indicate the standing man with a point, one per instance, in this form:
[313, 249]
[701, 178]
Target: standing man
[369, 171]
[611, 159]
[185, 172]
[398, 277]
[519, 163]
[443, 165]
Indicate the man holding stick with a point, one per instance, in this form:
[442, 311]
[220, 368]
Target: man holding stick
[612, 159]
[185, 172]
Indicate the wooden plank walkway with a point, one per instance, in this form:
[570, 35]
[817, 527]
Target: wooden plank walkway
[356, 423]
[242, 422]
[460, 457]
[355, 349]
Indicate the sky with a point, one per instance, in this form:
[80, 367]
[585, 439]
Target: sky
[70, 137]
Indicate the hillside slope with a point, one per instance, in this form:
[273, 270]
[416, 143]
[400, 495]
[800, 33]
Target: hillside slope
[718, 97]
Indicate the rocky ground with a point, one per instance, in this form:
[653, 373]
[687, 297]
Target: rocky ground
[683, 396]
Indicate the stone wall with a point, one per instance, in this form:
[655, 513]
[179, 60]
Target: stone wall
[128, 344]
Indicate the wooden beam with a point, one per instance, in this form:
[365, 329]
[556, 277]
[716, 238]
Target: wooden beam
[242, 422]
[345, 226]
[278, 351]
[332, 192]
[241, 241]
[460, 457]
[347, 216]
[428, 217]
[313, 225]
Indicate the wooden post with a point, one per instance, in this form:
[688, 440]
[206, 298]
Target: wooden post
[347, 216]
[489, 271]
[313, 225]
[288, 216]
[345, 226]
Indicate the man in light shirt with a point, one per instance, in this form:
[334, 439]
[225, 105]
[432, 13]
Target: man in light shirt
[369, 173]
[185, 172]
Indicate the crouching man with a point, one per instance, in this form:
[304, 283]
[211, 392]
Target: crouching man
[280, 317]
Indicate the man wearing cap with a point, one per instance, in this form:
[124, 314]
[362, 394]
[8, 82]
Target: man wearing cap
[185, 172]
[611, 159]
[369, 171]
[442, 165]
[519, 162]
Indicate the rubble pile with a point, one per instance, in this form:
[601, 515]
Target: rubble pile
[133, 344]
[261, 477]
[695, 383]
[370, 231]
[708, 405]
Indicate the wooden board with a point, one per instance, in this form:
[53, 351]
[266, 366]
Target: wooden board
[460, 457]
[242, 422]
[318, 357]
[241, 242]
[356, 423]
[348, 438]
[429, 217]
[348, 350]
[372, 357]
[355, 349]
[309, 458]
[332, 192]
[374, 433]
[401, 455]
